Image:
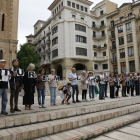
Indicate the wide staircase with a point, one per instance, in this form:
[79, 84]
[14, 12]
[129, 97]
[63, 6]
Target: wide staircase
[81, 122]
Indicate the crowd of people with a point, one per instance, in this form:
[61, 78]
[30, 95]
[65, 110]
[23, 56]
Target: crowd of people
[16, 83]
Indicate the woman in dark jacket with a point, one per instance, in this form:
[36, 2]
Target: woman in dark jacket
[29, 88]
[117, 84]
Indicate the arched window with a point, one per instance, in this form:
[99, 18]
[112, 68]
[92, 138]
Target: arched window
[1, 54]
[3, 18]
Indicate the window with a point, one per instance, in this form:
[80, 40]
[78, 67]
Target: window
[115, 69]
[128, 26]
[95, 54]
[131, 51]
[105, 66]
[121, 18]
[69, 3]
[60, 17]
[55, 53]
[73, 5]
[101, 12]
[80, 27]
[103, 33]
[79, 38]
[129, 38]
[122, 53]
[77, 6]
[112, 23]
[55, 41]
[120, 29]
[81, 51]
[3, 18]
[132, 66]
[104, 53]
[53, 13]
[80, 67]
[1, 54]
[94, 34]
[123, 67]
[73, 16]
[113, 44]
[121, 41]
[85, 9]
[81, 8]
[93, 24]
[57, 9]
[29, 41]
[114, 57]
[129, 15]
[62, 4]
[95, 66]
[82, 18]
[54, 30]
[102, 23]
[112, 34]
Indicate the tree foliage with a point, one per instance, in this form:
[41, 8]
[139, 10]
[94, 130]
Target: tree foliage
[27, 55]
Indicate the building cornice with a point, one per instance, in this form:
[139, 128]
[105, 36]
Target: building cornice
[53, 4]
[8, 40]
[86, 2]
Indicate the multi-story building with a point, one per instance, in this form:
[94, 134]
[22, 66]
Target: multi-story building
[73, 35]
[30, 39]
[8, 30]
[123, 28]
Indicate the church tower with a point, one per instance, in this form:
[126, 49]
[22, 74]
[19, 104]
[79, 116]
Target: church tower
[8, 30]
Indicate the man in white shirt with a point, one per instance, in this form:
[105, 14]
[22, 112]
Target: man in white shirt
[74, 83]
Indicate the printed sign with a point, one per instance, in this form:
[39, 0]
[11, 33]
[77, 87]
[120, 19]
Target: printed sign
[56, 78]
[20, 72]
[31, 74]
[45, 78]
[4, 75]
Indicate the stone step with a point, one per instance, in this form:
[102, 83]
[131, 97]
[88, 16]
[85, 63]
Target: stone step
[37, 130]
[19, 120]
[94, 130]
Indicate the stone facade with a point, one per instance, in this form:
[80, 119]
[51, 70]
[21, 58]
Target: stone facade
[30, 39]
[124, 23]
[61, 44]
[8, 30]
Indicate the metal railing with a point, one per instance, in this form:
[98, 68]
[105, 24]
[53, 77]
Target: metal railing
[99, 36]
[48, 50]
[112, 36]
[99, 46]
[98, 26]
[48, 32]
[48, 41]
[43, 53]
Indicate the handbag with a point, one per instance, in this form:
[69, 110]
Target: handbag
[22, 93]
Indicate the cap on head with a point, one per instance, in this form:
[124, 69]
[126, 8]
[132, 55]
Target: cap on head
[83, 72]
[14, 60]
[1, 60]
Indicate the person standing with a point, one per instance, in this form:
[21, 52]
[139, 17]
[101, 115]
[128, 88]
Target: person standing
[74, 83]
[15, 86]
[137, 84]
[3, 88]
[29, 88]
[123, 80]
[53, 87]
[106, 84]
[117, 84]
[84, 82]
[40, 85]
[132, 84]
[91, 83]
[111, 84]
[101, 80]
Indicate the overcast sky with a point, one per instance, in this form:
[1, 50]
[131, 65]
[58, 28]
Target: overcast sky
[32, 10]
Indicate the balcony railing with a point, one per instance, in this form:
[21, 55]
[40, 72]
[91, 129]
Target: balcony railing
[43, 36]
[111, 27]
[113, 48]
[120, 31]
[43, 44]
[43, 53]
[39, 47]
[112, 36]
[98, 26]
[99, 36]
[100, 59]
[48, 50]
[48, 41]
[48, 32]
[125, 19]
[99, 47]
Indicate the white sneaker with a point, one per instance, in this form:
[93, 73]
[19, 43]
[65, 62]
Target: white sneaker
[90, 99]
[43, 106]
[93, 100]
[40, 106]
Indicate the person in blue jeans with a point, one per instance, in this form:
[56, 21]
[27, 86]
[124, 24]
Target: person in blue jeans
[40, 84]
[106, 84]
[3, 87]
[91, 83]
[101, 80]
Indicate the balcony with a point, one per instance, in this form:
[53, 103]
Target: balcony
[98, 47]
[125, 19]
[113, 48]
[35, 43]
[100, 59]
[46, 62]
[39, 47]
[48, 41]
[48, 32]
[43, 53]
[43, 37]
[114, 61]
[99, 37]
[111, 27]
[112, 36]
[39, 39]
[98, 27]
[43, 44]
[120, 31]
[48, 51]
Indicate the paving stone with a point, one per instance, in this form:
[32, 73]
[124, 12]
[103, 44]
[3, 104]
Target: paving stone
[5, 135]
[135, 125]
[63, 136]
[15, 133]
[26, 120]
[54, 137]
[18, 121]
[103, 138]
[121, 136]
[10, 122]
[33, 118]
[2, 123]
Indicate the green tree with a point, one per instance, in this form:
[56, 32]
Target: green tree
[27, 55]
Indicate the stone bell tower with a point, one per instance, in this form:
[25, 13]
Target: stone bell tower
[8, 30]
